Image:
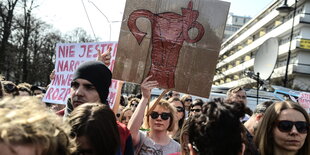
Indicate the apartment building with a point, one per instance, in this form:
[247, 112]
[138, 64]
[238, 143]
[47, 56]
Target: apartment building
[238, 51]
[233, 24]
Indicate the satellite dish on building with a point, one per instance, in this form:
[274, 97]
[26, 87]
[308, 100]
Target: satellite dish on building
[266, 58]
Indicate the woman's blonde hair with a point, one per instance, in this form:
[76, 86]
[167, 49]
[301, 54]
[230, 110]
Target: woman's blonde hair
[131, 101]
[163, 104]
[25, 120]
[123, 112]
[264, 134]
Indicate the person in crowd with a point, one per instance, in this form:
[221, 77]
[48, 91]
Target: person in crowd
[119, 111]
[237, 94]
[184, 137]
[9, 88]
[131, 96]
[284, 130]
[123, 101]
[240, 105]
[125, 115]
[29, 128]
[187, 100]
[196, 107]
[133, 103]
[258, 114]
[139, 96]
[95, 130]
[251, 126]
[180, 117]
[217, 131]
[90, 84]
[172, 94]
[158, 119]
[37, 90]
[23, 90]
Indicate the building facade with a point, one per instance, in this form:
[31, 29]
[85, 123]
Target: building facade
[238, 51]
[234, 23]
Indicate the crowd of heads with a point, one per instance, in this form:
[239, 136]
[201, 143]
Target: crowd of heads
[9, 88]
[212, 127]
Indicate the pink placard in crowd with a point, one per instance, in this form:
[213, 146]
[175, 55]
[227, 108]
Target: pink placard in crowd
[68, 57]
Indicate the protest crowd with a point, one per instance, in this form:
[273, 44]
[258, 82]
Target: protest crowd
[171, 125]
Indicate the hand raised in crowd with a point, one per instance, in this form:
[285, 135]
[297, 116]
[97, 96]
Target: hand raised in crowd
[147, 86]
[105, 57]
[52, 75]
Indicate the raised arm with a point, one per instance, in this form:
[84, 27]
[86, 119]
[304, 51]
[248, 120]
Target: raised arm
[136, 120]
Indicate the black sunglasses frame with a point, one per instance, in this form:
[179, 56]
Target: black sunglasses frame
[188, 100]
[180, 109]
[286, 126]
[163, 116]
[134, 105]
[195, 110]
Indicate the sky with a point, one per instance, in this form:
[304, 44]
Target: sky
[66, 15]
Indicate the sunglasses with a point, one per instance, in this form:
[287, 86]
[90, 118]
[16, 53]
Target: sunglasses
[188, 100]
[195, 110]
[9, 88]
[286, 126]
[134, 105]
[163, 116]
[179, 109]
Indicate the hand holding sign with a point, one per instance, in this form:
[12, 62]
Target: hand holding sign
[147, 86]
[105, 57]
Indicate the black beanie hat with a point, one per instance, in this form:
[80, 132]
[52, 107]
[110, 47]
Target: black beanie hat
[98, 74]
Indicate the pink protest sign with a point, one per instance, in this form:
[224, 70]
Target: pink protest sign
[304, 100]
[68, 57]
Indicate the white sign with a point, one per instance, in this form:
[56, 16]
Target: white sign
[68, 57]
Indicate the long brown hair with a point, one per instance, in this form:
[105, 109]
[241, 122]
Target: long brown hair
[97, 122]
[264, 134]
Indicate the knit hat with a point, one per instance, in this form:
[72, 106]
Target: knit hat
[98, 74]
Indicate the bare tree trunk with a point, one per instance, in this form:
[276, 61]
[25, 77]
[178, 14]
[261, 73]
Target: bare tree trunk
[27, 31]
[6, 14]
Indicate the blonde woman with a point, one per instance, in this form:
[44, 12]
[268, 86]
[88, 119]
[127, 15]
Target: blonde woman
[284, 130]
[158, 120]
[125, 115]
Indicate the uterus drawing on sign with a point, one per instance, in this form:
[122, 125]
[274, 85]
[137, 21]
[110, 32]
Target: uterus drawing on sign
[169, 31]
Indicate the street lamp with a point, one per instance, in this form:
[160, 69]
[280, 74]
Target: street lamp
[285, 10]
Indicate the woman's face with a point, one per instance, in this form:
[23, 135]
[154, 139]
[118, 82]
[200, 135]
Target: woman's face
[159, 121]
[188, 102]
[195, 110]
[293, 140]
[126, 117]
[180, 109]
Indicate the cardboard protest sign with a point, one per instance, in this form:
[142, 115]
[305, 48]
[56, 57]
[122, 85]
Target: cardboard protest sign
[175, 41]
[68, 57]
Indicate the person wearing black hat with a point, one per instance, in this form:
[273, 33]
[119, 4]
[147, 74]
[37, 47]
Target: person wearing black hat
[90, 84]
[37, 90]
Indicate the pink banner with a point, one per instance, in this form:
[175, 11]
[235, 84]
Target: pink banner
[68, 57]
